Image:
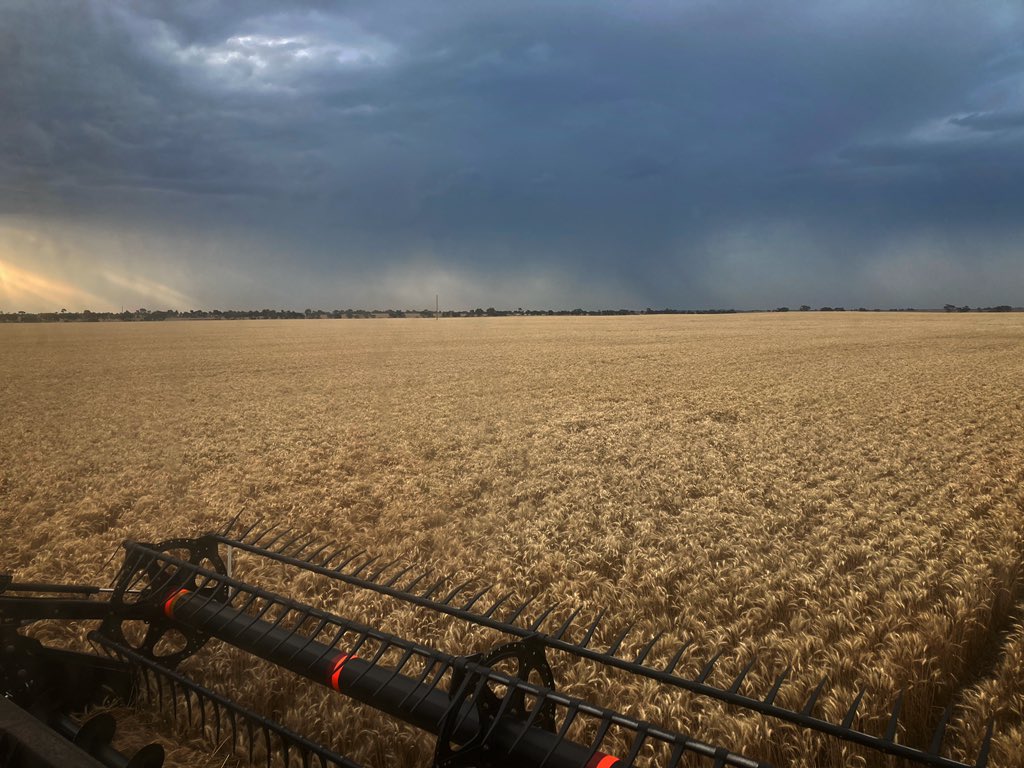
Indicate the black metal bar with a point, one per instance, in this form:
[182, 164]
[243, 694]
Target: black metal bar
[38, 586]
[37, 608]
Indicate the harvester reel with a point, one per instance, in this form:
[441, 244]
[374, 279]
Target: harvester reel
[145, 581]
[530, 664]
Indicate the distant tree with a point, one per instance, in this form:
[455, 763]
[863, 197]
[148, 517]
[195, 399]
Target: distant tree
[964, 308]
[805, 308]
[949, 307]
[825, 309]
[782, 309]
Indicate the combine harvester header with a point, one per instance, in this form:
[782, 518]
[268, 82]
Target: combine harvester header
[500, 708]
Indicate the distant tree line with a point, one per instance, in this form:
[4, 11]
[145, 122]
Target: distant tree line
[146, 315]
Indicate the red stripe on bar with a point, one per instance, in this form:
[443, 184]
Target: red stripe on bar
[169, 604]
[339, 664]
[601, 760]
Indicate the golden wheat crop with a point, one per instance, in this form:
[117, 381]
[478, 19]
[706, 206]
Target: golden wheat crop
[841, 493]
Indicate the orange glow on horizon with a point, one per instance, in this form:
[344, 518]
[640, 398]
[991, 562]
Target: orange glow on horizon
[23, 289]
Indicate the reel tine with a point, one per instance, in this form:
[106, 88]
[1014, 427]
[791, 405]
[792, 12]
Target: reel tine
[940, 729]
[602, 731]
[677, 754]
[234, 729]
[475, 598]
[709, 666]
[519, 611]
[506, 701]
[851, 713]
[394, 579]
[735, 687]
[500, 602]
[250, 735]
[270, 544]
[188, 706]
[635, 746]
[326, 564]
[311, 637]
[897, 707]
[231, 523]
[408, 654]
[340, 568]
[813, 698]
[242, 537]
[456, 698]
[617, 642]
[451, 595]
[986, 745]
[432, 589]
[570, 715]
[316, 553]
[331, 646]
[541, 619]
[283, 548]
[647, 648]
[285, 748]
[592, 629]
[481, 684]
[377, 574]
[415, 582]
[265, 532]
[381, 650]
[369, 561]
[528, 724]
[674, 661]
[427, 669]
[770, 698]
[159, 693]
[202, 714]
[300, 553]
[567, 624]
[442, 668]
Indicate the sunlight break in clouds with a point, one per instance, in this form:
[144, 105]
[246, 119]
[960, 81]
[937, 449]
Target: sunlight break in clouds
[160, 295]
[23, 289]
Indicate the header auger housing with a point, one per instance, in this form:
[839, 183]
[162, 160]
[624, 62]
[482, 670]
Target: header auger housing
[500, 708]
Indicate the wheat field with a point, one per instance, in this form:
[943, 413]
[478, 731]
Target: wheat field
[843, 493]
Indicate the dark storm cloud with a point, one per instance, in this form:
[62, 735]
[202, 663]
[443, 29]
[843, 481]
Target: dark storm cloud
[650, 153]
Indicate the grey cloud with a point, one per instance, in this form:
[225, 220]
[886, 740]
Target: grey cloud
[991, 121]
[611, 148]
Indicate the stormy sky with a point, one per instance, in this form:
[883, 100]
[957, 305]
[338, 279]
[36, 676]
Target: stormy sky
[511, 154]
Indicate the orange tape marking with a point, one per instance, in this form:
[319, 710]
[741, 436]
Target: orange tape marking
[339, 665]
[169, 605]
